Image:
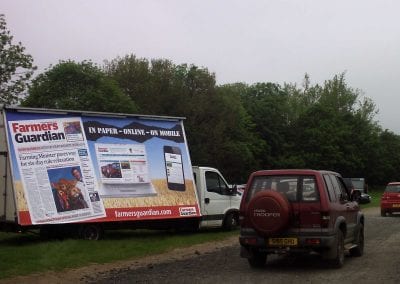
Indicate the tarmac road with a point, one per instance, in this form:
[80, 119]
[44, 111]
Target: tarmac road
[379, 264]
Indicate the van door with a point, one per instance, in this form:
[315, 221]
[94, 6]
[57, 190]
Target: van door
[217, 198]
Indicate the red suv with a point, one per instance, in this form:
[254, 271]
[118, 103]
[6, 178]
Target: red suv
[390, 201]
[297, 212]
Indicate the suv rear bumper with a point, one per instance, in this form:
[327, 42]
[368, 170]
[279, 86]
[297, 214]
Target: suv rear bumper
[304, 244]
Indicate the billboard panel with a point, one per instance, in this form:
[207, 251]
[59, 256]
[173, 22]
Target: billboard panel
[77, 168]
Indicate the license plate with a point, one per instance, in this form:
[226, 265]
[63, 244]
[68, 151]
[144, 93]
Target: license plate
[396, 205]
[282, 242]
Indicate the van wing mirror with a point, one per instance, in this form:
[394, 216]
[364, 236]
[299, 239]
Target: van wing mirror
[233, 189]
[356, 195]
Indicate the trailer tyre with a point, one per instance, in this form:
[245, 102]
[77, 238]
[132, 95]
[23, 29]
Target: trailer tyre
[91, 232]
[46, 233]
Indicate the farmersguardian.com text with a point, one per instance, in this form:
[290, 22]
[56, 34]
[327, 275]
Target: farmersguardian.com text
[142, 213]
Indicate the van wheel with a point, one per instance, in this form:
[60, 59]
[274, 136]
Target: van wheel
[359, 249]
[91, 232]
[230, 221]
[257, 259]
[383, 213]
[338, 261]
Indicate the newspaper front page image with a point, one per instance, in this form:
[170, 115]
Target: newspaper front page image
[55, 169]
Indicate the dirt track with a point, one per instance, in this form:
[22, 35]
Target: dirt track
[220, 262]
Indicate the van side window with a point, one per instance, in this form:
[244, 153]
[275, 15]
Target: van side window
[216, 184]
[329, 187]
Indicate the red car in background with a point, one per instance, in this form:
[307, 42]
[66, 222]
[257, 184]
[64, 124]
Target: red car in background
[390, 201]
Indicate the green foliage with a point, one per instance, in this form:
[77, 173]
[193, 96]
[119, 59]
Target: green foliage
[376, 195]
[332, 128]
[268, 106]
[237, 128]
[77, 86]
[219, 131]
[240, 128]
[16, 67]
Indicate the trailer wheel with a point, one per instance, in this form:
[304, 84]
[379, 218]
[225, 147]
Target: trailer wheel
[91, 232]
[49, 233]
[46, 233]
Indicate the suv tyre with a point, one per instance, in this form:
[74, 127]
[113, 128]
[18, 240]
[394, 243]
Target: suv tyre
[359, 249]
[257, 259]
[338, 261]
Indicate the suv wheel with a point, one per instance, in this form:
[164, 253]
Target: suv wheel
[383, 213]
[257, 259]
[338, 261]
[359, 249]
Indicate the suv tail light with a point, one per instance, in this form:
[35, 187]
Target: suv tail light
[248, 241]
[325, 218]
[241, 217]
[313, 241]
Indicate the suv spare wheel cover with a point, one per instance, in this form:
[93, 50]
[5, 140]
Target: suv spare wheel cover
[269, 212]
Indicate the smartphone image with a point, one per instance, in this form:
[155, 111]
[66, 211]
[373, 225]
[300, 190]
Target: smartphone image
[174, 168]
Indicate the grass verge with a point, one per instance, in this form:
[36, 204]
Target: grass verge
[23, 254]
[375, 194]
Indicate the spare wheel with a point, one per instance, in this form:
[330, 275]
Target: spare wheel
[269, 212]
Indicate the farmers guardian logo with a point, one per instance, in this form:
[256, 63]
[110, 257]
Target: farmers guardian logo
[36, 132]
[264, 213]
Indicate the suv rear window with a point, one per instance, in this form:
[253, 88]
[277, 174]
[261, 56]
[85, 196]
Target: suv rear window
[295, 188]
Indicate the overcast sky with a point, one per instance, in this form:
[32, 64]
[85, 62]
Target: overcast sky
[240, 41]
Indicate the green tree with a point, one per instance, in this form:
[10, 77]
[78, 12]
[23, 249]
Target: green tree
[218, 129]
[77, 86]
[384, 161]
[267, 105]
[133, 75]
[16, 67]
[334, 131]
[241, 149]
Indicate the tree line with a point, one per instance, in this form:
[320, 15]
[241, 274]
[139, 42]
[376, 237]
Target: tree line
[238, 128]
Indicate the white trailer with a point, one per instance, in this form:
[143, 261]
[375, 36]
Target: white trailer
[63, 170]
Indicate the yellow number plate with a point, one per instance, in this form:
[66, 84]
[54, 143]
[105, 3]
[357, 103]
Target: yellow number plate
[396, 205]
[287, 242]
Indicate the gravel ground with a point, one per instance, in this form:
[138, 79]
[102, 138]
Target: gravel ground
[220, 262]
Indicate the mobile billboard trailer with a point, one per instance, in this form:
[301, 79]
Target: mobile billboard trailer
[89, 171]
